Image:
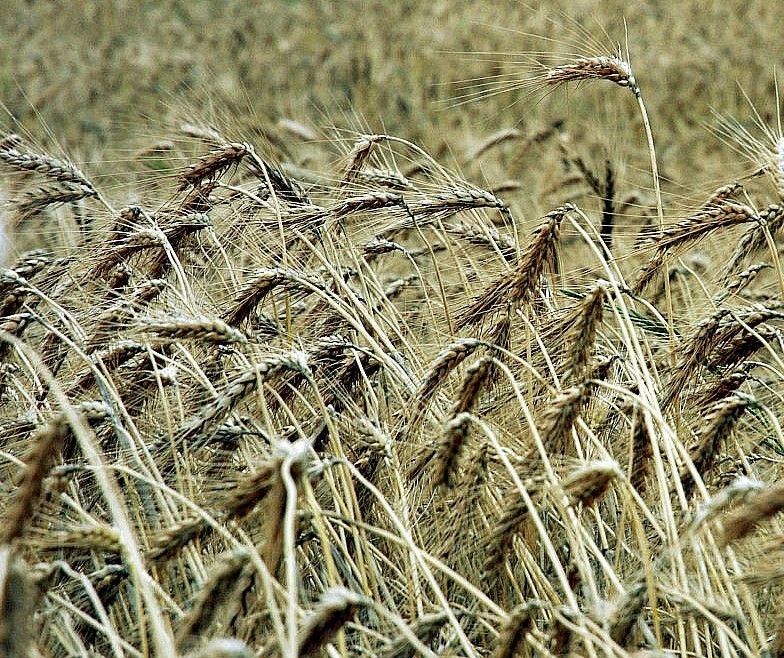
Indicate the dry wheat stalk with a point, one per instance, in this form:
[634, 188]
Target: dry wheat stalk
[511, 637]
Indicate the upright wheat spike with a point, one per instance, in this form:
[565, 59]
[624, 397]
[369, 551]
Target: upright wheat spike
[719, 424]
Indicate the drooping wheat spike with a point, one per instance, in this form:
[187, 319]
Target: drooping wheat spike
[358, 157]
[431, 209]
[214, 164]
[337, 606]
[753, 240]
[613, 69]
[445, 363]
[449, 447]
[627, 613]
[168, 541]
[94, 537]
[476, 377]
[488, 238]
[491, 141]
[10, 141]
[588, 484]
[205, 134]
[366, 202]
[557, 420]
[378, 247]
[391, 179]
[777, 646]
[742, 280]
[14, 280]
[693, 352]
[500, 337]
[721, 341]
[276, 180]
[740, 490]
[250, 490]
[520, 285]
[42, 453]
[425, 628]
[721, 388]
[240, 387]
[214, 597]
[752, 513]
[137, 241]
[583, 334]
[269, 489]
[51, 168]
[707, 220]
[35, 201]
[121, 312]
[699, 225]
[469, 489]
[112, 357]
[206, 329]
[718, 426]
[263, 282]
[499, 544]
[511, 636]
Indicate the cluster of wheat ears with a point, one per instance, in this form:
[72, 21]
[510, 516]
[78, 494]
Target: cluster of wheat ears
[373, 412]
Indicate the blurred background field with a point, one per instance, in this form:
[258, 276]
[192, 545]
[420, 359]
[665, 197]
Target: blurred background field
[102, 76]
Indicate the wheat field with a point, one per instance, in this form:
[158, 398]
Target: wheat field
[472, 348]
